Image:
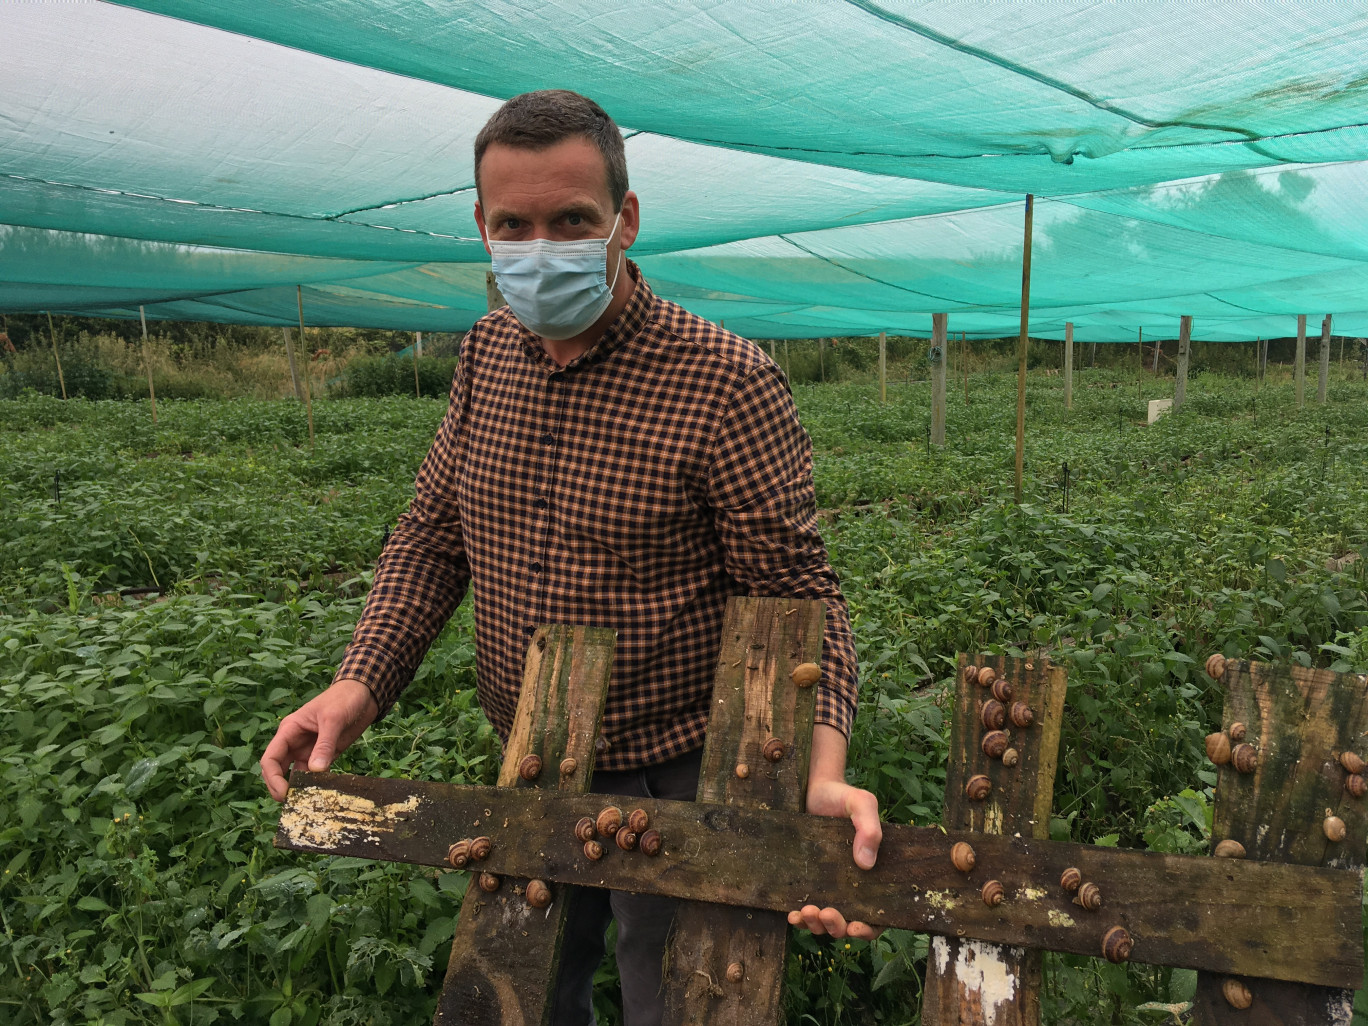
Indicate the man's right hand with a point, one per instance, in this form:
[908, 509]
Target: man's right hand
[316, 732]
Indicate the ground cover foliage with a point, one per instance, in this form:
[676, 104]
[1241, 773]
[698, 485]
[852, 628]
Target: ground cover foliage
[137, 880]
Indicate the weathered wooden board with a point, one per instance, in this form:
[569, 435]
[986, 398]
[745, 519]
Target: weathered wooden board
[971, 982]
[1252, 918]
[1298, 721]
[755, 700]
[505, 953]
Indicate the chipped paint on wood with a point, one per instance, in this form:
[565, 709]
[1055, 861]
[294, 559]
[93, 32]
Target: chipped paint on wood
[985, 973]
[317, 817]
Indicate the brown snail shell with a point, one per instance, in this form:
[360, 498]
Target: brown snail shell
[1070, 879]
[568, 766]
[638, 821]
[962, 856]
[1237, 995]
[1354, 784]
[742, 771]
[995, 743]
[649, 843]
[806, 674]
[971, 674]
[538, 894]
[993, 892]
[1237, 731]
[1229, 849]
[1351, 762]
[609, 820]
[593, 851]
[736, 972]
[458, 855]
[489, 883]
[986, 676]
[1010, 757]
[773, 750]
[480, 848]
[1245, 758]
[1022, 715]
[978, 787]
[1334, 828]
[626, 840]
[1002, 689]
[585, 830]
[1116, 945]
[530, 768]
[993, 715]
[1218, 748]
[1216, 666]
[1089, 896]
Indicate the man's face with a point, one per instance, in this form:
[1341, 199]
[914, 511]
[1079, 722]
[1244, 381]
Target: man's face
[559, 193]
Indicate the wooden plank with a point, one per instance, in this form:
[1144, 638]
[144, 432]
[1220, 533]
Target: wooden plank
[505, 953]
[1184, 351]
[969, 981]
[1184, 911]
[940, 354]
[1298, 722]
[755, 701]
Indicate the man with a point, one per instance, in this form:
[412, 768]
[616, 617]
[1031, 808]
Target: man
[608, 460]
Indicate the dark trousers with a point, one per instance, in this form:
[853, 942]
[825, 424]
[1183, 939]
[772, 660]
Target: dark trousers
[643, 920]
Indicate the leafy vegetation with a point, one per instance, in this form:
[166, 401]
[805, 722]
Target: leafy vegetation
[168, 592]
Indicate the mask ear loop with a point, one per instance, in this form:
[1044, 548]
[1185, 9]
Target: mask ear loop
[613, 284]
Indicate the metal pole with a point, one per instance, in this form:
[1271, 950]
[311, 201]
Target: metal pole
[152, 392]
[1021, 347]
[308, 391]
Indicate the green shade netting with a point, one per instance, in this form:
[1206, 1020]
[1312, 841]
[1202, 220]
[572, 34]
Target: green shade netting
[805, 169]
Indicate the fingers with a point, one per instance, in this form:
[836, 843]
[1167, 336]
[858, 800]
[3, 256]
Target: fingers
[864, 814]
[829, 921]
[292, 744]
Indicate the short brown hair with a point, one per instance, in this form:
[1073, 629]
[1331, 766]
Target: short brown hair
[536, 121]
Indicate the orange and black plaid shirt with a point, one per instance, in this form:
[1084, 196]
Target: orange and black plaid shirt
[636, 488]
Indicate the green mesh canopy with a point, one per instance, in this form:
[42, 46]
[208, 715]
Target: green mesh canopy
[805, 169]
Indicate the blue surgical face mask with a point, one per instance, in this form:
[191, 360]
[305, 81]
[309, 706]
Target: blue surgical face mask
[555, 289]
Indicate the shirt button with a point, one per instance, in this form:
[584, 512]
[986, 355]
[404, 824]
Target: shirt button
[536, 567]
[539, 503]
[548, 439]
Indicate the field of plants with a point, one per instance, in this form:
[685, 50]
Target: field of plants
[168, 592]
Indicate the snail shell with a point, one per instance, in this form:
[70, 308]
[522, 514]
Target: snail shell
[1218, 748]
[1116, 944]
[1010, 757]
[1070, 879]
[1237, 995]
[736, 972]
[585, 830]
[530, 768]
[1354, 784]
[649, 843]
[1089, 896]
[993, 715]
[1022, 715]
[1334, 828]
[538, 894]
[1351, 762]
[480, 848]
[962, 856]
[1229, 849]
[626, 840]
[993, 893]
[1002, 689]
[742, 771]
[459, 854]
[1245, 758]
[773, 750]
[995, 743]
[806, 674]
[489, 883]
[568, 766]
[986, 676]
[593, 851]
[971, 674]
[978, 787]
[1237, 731]
[1216, 666]
[609, 820]
[638, 821]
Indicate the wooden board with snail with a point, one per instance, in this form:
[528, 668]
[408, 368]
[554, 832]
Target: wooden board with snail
[762, 710]
[1289, 749]
[506, 948]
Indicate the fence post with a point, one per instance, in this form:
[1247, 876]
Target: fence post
[308, 390]
[883, 367]
[1324, 360]
[939, 350]
[1068, 365]
[1299, 371]
[1184, 351]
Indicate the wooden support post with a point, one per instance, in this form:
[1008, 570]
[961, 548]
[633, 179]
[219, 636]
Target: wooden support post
[417, 386]
[1323, 381]
[1140, 369]
[1298, 723]
[304, 352]
[1184, 351]
[493, 297]
[1299, 370]
[294, 368]
[502, 974]
[1021, 347]
[883, 367]
[940, 350]
[970, 982]
[1158, 348]
[147, 363]
[788, 373]
[821, 357]
[1068, 365]
[964, 356]
[418, 343]
[755, 700]
[61, 380]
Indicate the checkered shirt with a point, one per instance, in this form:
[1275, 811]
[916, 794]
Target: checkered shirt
[636, 488]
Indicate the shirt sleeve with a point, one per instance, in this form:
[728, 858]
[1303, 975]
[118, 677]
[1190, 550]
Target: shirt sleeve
[759, 486]
[420, 577]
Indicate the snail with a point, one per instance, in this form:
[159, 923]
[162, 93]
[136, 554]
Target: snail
[1333, 827]
[1010, 757]
[1089, 897]
[971, 674]
[1237, 995]
[568, 766]
[489, 883]
[638, 821]
[1002, 689]
[1354, 784]
[742, 771]
[1116, 945]
[993, 893]
[978, 787]
[1229, 849]
[649, 843]
[1070, 879]
[1351, 762]
[1218, 748]
[1022, 715]
[626, 840]
[538, 894]
[993, 715]
[480, 848]
[459, 854]
[609, 820]
[986, 676]
[773, 750]
[530, 767]
[1216, 666]
[995, 743]
[1245, 758]
[585, 830]
[962, 856]
[593, 851]
[1237, 731]
[736, 972]
[806, 674]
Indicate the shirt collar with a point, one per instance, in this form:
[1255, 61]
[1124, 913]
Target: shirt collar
[621, 330]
